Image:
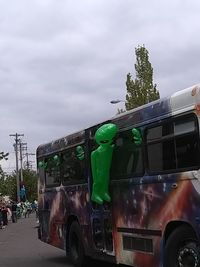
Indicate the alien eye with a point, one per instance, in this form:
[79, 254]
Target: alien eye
[104, 141]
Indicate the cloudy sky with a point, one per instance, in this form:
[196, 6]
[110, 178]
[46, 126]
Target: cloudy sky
[63, 61]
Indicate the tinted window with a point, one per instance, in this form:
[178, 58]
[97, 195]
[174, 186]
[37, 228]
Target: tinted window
[161, 156]
[184, 125]
[52, 172]
[73, 168]
[187, 151]
[173, 145]
[127, 157]
[159, 132]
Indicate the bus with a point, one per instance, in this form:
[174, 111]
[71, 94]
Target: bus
[126, 190]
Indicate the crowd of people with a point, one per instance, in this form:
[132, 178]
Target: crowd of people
[12, 211]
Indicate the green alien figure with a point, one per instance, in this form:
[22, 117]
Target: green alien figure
[42, 164]
[101, 159]
[56, 160]
[137, 137]
[80, 153]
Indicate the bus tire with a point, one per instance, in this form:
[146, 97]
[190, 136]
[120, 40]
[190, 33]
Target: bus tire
[182, 248]
[76, 247]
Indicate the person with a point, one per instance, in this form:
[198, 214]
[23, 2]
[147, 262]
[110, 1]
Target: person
[9, 212]
[23, 210]
[27, 205]
[36, 209]
[4, 216]
[14, 212]
[19, 210]
[1, 219]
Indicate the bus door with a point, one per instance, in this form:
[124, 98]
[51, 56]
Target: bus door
[101, 218]
[101, 221]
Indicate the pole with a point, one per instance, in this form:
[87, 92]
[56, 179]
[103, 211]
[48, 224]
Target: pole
[21, 159]
[17, 168]
[21, 170]
[27, 160]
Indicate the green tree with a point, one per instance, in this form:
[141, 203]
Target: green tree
[141, 90]
[30, 182]
[4, 156]
[8, 185]
[3, 189]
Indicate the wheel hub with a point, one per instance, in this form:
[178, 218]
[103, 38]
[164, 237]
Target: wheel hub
[187, 257]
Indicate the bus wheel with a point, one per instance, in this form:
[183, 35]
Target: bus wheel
[76, 248]
[182, 249]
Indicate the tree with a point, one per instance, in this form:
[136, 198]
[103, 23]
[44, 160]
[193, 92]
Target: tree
[141, 90]
[3, 156]
[30, 182]
[8, 185]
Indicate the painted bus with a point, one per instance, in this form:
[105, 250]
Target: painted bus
[151, 217]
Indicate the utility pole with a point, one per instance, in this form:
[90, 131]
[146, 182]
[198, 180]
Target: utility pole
[27, 160]
[21, 158]
[17, 168]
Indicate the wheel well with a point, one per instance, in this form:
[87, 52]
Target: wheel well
[171, 226]
[70, 220]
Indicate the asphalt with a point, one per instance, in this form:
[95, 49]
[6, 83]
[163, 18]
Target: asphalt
[20, 247]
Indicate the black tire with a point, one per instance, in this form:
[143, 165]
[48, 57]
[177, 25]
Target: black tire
[182, 249]
[76, 247]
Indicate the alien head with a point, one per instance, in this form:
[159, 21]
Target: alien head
[42, 164]
[105, 134]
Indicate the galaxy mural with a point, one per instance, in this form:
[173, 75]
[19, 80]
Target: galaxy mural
[132, 225]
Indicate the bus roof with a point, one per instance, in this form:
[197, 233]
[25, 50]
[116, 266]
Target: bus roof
[179, 102]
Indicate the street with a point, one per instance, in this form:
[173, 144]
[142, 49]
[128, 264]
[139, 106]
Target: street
[19, 247]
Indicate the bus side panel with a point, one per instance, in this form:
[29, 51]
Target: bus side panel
[143, 207]
[57, 207]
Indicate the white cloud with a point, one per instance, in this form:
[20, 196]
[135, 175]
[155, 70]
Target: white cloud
[63, 61]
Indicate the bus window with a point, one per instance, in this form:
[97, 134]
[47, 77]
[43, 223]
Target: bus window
[52, 172]
[127, 157]
[173, 145]
[160, 148]
[186, 142]
[184, 125]
[73, 168]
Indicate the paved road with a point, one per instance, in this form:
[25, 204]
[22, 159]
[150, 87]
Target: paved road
[19, 247]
